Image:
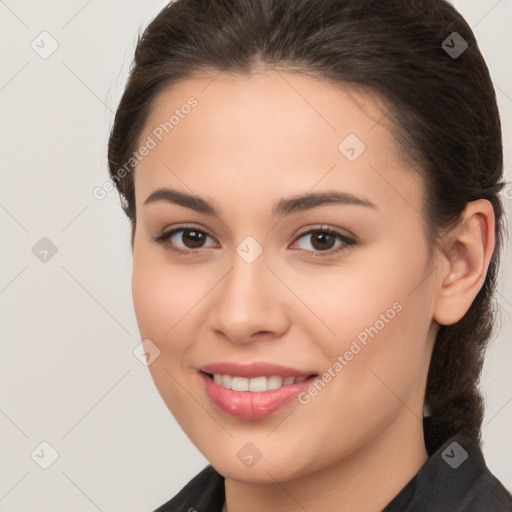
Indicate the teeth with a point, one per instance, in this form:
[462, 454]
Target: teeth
[226, 381]
[256, 384]
[239, 384]
[275, 382]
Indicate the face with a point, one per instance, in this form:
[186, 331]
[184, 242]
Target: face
[336, 290]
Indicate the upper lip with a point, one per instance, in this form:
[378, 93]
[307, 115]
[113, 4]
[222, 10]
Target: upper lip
[251, 370]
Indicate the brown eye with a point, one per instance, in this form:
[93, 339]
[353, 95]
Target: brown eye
[183, 240]
[324, 240]
[192, 238]
[190, 241]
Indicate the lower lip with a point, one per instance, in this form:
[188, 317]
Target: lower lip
[248, 404]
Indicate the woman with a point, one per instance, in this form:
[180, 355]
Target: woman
[316, 228]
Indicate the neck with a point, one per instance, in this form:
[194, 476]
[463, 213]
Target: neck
[365, 481]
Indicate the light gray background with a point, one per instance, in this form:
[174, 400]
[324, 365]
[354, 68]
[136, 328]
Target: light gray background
[68, 375]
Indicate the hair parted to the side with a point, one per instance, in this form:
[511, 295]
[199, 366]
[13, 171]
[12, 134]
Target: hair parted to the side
[443, 112]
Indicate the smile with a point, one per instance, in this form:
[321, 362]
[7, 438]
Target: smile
[252, 391]
[256, 384]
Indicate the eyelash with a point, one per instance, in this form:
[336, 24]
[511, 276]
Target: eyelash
[348, 242]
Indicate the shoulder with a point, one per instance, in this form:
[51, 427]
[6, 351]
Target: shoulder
[488, 493]
[455, 478]
[204, 493]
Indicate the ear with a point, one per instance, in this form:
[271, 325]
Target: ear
[466, 252]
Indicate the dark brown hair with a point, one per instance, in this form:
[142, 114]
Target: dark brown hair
[443, 112]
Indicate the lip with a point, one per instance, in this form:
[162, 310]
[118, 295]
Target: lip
[247, 404]
[251, 370]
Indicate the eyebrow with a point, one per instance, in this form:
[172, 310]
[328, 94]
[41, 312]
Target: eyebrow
[282, 207]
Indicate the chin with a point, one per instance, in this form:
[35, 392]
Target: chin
[261, 472]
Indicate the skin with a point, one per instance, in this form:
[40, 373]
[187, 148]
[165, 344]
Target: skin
[251, 141]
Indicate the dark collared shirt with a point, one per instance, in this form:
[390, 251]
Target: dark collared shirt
[455, 478]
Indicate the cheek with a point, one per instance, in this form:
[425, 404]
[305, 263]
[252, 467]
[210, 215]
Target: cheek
[163, 295]
[378, 317]
[169, 302]
[161, 301]
[351, 296]
[367, 385]
[148, 300]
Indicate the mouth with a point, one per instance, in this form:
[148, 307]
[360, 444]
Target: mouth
[255, 397]
[258, 384]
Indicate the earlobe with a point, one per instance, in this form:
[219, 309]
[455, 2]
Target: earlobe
[466, 253]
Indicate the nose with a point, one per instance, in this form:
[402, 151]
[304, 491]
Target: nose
[249, 303]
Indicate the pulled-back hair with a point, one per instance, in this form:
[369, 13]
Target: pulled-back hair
[442, 110]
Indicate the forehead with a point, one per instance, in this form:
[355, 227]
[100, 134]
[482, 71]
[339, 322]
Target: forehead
[269, 99]
[270, 130]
